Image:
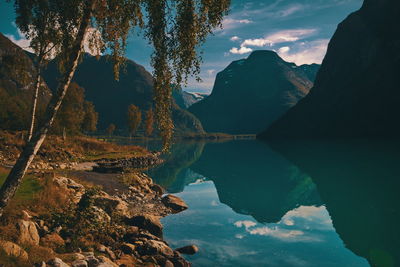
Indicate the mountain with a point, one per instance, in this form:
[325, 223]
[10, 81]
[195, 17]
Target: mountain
[186, 99]
[356, 92]
[253, 92]
[17, 84]
[112, 98]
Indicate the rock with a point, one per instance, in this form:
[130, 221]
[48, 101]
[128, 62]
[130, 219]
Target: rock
[106, 262]
[180, 262]
[41, 264]
[100, 215]
[154, 247]
[11, 249]
[79, 263]
[27, 233]
[128, 248]
[158, 189]
[127, 261]
[92, 261]
[112, 204]
[70, 185]
[110, 253]
[26, 216]
[53, 241]
[88, 254]
[56, 262]
[168, 263]
[175, 203]
[189, 250]
[147, 222]
[101, 248]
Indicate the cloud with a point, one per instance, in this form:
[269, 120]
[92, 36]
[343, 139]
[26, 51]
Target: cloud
[20, 40]
[284, 49]
[290, 10]
[280, 37]
[305, 52]
[240, 51]
[279, 233]
[285, 36]
[230, 23]
[211, 72]
[246, 224]
[235, 38]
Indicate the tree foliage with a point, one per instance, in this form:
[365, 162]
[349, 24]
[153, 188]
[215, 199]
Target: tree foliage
[91, 117]
[134, 119]
[175, 29]
[110, 129]
[149, 123]
[76, 115]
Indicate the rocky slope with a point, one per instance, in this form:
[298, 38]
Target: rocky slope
[356, 93]
[112, 98]
[17, 83]
[97, 229]
[252, 93]
[185, 99]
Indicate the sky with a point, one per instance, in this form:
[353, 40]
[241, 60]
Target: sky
[298, 30]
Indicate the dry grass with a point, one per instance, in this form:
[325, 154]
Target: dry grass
[76, 148]
[44, 198]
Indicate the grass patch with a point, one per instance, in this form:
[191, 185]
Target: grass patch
[29, 188]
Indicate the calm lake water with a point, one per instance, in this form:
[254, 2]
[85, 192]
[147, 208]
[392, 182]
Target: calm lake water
[285, 204]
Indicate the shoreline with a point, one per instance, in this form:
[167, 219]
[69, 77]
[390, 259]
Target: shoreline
[84, 218]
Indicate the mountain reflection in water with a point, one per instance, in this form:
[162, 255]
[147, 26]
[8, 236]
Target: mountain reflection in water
[291, 206]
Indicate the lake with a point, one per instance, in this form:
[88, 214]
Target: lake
[286, 203]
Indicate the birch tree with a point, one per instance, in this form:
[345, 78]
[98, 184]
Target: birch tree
[175, 29]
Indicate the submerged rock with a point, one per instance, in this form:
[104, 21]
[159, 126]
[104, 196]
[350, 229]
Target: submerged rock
[189, 250]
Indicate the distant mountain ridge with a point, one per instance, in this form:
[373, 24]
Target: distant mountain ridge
[17, 85]
[112, 98]
[186, 99]
[251, 93]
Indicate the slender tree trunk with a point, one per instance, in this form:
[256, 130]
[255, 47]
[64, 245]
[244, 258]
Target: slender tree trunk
[17, 173]
[35, 100]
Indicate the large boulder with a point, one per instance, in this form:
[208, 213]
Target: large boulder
[154, 247]
[27, 233]
[147, 222]
[77, 190]
[13, 250]
[175, 203]
[111, 204]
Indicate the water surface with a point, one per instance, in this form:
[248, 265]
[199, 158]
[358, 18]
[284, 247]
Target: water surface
[295, 204]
